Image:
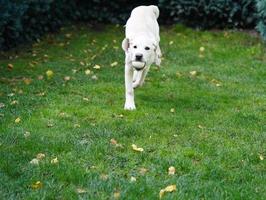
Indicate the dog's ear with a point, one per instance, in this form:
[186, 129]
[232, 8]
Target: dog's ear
[125, 44]
[158, 55]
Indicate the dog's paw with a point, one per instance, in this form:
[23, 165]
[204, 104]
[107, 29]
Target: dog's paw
[129, 106]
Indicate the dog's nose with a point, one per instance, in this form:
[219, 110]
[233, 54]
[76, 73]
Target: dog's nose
[139, 57]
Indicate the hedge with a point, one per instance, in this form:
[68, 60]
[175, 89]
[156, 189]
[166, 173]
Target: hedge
[261, 27]
[211, 13]
[27, 20]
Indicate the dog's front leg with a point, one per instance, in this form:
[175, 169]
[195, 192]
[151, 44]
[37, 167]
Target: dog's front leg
[130, 103]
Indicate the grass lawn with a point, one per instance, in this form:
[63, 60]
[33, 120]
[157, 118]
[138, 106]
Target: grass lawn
[202, 112]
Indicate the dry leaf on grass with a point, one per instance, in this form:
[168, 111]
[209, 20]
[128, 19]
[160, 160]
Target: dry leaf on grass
[133, 179]
[41, 94]
[81, 190]
[67, 78]
[201, 49]
[17, 120]
[97, 67]
[40, 156]
[143, 170]
[104, 177]
[34, 161]
[2, 105]
[76, 125]
[116, 195]
[14, 102]
[10, 66]
[193, 73]
[49, 74]
[135, 148]
[94, 77]
[54, 161]
[200, 126]
[114, 64]
[115, 143]
[87, 72]
[27, 134]
[171, 170]
[170, 188]
[27, 81]
[37, 185]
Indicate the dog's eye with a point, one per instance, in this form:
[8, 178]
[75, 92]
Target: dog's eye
[135, 47]
[147, 48]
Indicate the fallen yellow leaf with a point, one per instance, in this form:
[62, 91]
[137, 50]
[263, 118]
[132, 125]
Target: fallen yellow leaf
[201, 49]
[27, 134]
[135, 148]
[143, 171]
[97, 67]
[170, 188]
[193, 73]
[113, 141]
[14, 102]
[54, 161]
[67, 78]
[40, 77]
[34, 161]
[49, 74]
[40, 156]
[178, 74]
[76, 125]
[104, 177]
[81, 191]
[133, 179]
[10, 66]
[114, 64]
[37, 185]
[27, 81]
[94, 77]
[68, 35]
[199, 126]
[116, 195]
[87, 71]
[171, 170]
[17, 120]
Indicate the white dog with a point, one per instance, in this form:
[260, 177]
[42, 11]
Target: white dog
[141, 47]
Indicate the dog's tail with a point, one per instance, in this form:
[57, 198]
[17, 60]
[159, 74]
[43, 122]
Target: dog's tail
[155, 10]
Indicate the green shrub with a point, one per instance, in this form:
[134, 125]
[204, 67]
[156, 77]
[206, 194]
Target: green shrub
[210, 13]
[261, 26]
[27, 20]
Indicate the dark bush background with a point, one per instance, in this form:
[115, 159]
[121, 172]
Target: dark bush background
[26, 20]
[261, 27]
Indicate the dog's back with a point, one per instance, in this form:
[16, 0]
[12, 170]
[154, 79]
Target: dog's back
[143, 10]
[143, 19]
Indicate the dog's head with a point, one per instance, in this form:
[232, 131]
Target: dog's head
[140, 49]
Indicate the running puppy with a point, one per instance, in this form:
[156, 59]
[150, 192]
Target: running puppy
[141, 47]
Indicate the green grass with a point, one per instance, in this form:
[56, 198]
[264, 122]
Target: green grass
[215, 139]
